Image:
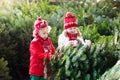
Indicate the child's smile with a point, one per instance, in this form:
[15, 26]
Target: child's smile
[72, 30]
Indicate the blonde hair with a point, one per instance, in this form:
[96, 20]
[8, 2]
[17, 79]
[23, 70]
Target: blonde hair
[79, 33]
[49, 29]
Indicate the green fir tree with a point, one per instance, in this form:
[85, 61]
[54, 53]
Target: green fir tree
[4, 70]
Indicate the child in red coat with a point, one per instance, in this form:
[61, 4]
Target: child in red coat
[41, 49]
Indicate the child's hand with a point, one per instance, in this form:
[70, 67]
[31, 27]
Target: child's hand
[79, 33]
[73, 43]
[60, 55]
[52, 56]
[88, 42]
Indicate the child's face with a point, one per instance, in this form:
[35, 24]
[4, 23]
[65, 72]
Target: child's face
[43, 32]
[72, 30]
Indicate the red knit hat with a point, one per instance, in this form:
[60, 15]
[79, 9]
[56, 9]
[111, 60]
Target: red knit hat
[39, 23]
[70, 20]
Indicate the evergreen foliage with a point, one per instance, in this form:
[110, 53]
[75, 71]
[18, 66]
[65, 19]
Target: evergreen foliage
[4, 70]
[84, 63]
[113, 73]
[97, 21]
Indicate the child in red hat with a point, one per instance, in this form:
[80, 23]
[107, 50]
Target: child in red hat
[71, 34]
[41, 49]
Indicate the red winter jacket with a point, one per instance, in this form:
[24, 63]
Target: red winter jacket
[37, 56]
